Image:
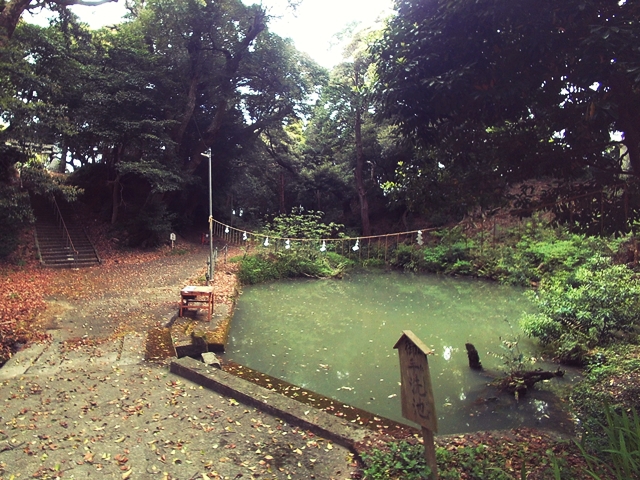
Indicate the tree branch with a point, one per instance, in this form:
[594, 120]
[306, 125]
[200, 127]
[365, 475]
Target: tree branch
[13, 10]
[86, 3]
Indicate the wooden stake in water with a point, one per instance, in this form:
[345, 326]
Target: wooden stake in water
[417, 400]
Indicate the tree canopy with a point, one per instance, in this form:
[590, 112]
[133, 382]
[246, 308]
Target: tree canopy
[543, 85]
[449, 107]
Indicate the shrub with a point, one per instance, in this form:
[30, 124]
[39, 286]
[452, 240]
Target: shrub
[150, 226]
[586, 308]
[303, 224]
[612, 377]
[264, 266]
[441, 258]
[406, 257]
[537, 254]
[257, 269]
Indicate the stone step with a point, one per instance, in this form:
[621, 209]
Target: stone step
[63, 246]
[53, 243]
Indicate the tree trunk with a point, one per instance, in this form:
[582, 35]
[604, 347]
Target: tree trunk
[62, 166]
[115, 200]
[360, 188]
[178, 133]
[473, 356]
[232, 64]
[117, 186]
[518, 383]
[281, 188]
[9, 18]
[13, 10]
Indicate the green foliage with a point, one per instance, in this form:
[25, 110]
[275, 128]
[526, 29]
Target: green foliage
[105, 98]
[477, 463]
[18, 176]
[618, 455]
[407, 257]
[449, 252]
[513, 360]
[265, 266]
[438, 81]
[160, 177]
[536, 252]
[257, 269]
[612, 378]
[448, 258]
[519, 256]
[15, 212]
[150, 226]
[401, 461]
[38, 180]
[585, 308]
[302, 223]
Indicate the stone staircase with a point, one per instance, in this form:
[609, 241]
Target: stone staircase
[61, 241]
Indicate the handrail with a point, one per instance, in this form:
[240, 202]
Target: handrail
[65, 232]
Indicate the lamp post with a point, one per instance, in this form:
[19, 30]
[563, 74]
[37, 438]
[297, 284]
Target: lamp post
[210, 263]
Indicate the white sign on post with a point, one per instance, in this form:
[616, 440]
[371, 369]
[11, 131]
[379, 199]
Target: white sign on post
[417, 400]
[172, 237]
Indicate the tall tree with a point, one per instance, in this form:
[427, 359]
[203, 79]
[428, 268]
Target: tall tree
[136, 105]
[222, 66]
[545, 83]
[345, 103]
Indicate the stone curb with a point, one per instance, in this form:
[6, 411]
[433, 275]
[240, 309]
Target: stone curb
[19, 363]
[320, 423]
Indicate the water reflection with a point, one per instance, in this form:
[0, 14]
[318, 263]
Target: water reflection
[336, 337]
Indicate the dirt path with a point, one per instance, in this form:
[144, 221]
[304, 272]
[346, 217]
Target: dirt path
[121, 297]
[89, 405]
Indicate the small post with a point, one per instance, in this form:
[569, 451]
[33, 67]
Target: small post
[417, 400]
[172, 237]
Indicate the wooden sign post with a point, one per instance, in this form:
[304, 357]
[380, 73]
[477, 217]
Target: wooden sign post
[416, 393]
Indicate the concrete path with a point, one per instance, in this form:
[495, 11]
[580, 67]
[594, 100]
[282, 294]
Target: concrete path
[55, 357]
[143, 422]
[87, 404]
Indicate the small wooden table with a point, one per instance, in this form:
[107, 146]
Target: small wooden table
[196, 298]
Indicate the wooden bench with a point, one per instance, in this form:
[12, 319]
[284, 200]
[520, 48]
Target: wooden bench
[196, 298]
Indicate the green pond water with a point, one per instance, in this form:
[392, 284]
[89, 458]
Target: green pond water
[336, 337]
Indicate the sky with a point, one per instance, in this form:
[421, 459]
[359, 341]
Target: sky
[312, 26]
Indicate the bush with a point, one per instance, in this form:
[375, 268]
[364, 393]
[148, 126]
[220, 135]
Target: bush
[612, 377]
[587, 308]
[407, 257]
[537, 254]
[303, 224]
[520, 257]
[257, 269]
[150, 226]
[264, 266]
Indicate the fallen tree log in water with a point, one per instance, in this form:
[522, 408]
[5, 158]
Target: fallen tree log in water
[517, 383]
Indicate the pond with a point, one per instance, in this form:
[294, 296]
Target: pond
[336, 337]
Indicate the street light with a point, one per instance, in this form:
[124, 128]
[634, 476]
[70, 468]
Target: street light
[211, 261]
